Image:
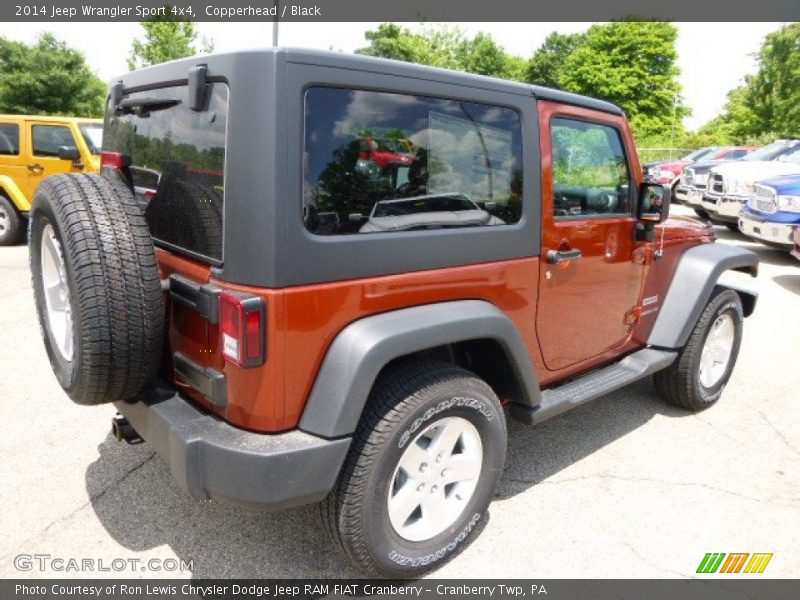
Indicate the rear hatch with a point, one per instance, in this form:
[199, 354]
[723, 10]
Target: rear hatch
[171, 152]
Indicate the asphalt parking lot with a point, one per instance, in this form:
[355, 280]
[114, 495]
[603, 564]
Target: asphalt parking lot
[623, 487]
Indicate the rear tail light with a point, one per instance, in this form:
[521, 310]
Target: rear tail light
[243, 325]
[113, 160]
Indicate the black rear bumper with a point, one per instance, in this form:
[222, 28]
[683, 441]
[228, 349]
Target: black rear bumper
[212, 459]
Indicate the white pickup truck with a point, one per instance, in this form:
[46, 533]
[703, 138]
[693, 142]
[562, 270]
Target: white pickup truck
[731, 184]
[694, 180]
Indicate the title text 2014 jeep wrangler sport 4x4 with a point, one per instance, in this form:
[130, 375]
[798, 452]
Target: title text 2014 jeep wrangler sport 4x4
[286, 323]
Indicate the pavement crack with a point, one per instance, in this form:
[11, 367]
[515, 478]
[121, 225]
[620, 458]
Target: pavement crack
[792, 503]
[91, 500]
[651, 564]
[777, 431]
[128, 473]
[719, 431]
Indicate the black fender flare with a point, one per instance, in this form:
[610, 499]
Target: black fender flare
[359, 352]
[695, 280]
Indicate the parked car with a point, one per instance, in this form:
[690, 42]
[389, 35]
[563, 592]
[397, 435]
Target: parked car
[31, 148]
[773, 211]
[274, 358]
[694, 180]
[730, 185]
[384, 151]
[668, 172]
[425, 212]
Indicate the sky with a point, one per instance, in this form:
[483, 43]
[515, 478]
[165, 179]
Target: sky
[713, 57]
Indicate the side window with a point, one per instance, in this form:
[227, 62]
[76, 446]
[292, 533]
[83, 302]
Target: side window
[47, 139]
[590, 172]
[9, 139]
[379, 162]
[736, 154]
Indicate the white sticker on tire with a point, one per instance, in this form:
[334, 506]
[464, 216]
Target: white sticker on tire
[418, 561]
[478, 405]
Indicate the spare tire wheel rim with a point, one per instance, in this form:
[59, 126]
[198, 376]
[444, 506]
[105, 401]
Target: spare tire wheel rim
[435, 479]
[57, 300]
[717, 350]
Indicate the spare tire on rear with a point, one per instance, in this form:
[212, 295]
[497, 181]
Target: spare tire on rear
[97, 287]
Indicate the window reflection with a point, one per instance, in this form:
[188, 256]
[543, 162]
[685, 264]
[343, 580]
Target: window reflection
[379, 162]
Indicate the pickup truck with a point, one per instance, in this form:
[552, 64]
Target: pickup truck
[694, 181]
[772, 212]
[731, 184]
[275, 352]
[668, 172]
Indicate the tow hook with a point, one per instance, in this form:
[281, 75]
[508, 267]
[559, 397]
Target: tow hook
[122, 430]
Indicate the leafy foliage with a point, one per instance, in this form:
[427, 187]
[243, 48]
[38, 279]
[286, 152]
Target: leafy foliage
[447, 47]
[47, 77]
[630, 63]
[165, 39]
[768, 104]
[546, 66]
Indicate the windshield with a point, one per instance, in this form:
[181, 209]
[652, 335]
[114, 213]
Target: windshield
[93, 136]
[697, 154]
[768, 152]
[792, 156]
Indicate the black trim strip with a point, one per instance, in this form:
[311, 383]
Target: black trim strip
[201, 298]
[209, 382]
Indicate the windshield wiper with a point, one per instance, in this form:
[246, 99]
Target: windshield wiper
[144, 105]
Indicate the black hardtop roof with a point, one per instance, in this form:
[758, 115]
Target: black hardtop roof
[166, 71]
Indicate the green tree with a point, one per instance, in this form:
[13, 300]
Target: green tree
[166, 39]
[447, 47]
[546, 67]
[633, 64]
[767, 104]
[773, 93]
[48, 77]
[737, 121]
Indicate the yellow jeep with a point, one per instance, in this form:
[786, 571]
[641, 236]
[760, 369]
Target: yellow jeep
[31, 148]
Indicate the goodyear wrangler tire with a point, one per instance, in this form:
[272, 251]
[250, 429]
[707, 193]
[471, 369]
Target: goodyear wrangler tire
[422, 469]
[96, 286]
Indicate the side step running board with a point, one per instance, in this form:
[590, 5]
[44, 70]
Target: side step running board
[593, 385]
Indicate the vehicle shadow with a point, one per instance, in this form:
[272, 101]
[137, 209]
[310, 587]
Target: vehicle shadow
[139, 504]
[538, 453]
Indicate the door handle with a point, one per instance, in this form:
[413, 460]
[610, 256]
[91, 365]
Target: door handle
[556, 257]
[35, 169]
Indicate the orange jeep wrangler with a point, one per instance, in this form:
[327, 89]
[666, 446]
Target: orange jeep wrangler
[286, 324]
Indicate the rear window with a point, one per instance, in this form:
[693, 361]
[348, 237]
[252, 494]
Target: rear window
[9, 139]
[378, 162]
[177, 165]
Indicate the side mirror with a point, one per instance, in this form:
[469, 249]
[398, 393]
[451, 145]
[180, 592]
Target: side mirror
[68, 153]
[653, 203]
